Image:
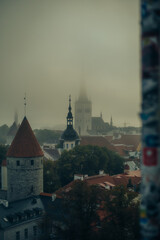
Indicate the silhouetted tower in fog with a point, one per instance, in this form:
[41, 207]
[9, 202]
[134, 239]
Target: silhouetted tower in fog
[83, 113]
[111, 122]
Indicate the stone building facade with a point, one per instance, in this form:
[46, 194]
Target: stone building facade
[21, 207]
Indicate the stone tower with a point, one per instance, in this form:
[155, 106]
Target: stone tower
[69, 138]
[83, 113]
[24, 165]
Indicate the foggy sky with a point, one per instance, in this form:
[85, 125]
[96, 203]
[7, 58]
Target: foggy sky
[47, 47]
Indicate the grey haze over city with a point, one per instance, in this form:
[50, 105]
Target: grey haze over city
[48, 48]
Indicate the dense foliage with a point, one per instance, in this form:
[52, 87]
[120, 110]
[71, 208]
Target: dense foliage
[47, 136]
[90, 212]
[3, 151]
[122, 221]
[81, 160]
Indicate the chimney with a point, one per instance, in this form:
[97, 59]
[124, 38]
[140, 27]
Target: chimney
[78, 177]
[101, 172]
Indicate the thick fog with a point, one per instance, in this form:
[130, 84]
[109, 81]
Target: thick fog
[48, 47]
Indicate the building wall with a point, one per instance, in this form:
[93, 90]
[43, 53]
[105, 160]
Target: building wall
[68, 145]
[24, 179]
[10, 233]
[83, 116]
[4, 177]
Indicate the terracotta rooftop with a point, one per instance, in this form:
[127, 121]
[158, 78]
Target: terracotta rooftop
[25, 143]
[133, 140]
[97, 141]
[104, 180]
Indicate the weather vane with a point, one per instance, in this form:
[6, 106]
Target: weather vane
[25, 104]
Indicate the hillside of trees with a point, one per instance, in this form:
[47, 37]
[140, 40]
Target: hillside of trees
[81, 160]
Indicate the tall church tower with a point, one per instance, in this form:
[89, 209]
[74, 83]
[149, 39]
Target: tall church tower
[83, 113]
[69, 138]
[24, 165]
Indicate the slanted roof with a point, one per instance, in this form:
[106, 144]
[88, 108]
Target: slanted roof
[20, 208]
[97, 141]
[25, 143]
[133, 140]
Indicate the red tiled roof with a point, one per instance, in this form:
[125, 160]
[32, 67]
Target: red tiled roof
[97, 141]
[25, 143]
[123, 150]
[105, 180]
[109, 138]
[128, 140]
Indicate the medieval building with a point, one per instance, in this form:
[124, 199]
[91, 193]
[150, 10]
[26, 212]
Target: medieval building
[20, 204]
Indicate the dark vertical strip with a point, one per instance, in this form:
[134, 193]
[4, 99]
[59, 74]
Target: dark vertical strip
[150, 115]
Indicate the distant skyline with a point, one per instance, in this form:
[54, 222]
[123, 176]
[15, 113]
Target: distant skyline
[48, 48]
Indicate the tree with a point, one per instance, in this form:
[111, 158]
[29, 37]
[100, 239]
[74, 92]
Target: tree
[122, 221]
[80, 206]
[87, 160]
[3, 152]
[50, 177]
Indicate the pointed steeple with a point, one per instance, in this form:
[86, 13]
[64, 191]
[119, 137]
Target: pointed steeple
[25, 143]
[111, 122]
[69, 116]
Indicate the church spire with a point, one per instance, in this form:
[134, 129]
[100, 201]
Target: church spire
[111, 122]
[69, 116]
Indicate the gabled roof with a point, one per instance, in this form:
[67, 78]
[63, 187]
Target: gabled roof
[97, 141]
[25, 143]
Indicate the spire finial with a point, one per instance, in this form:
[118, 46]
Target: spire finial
[25, 104]
[111, 122]
[69, 103]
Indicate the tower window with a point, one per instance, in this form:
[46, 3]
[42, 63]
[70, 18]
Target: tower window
[18, 163]
[18, 235]
[35, 230]
[32, 162]
[26, 233]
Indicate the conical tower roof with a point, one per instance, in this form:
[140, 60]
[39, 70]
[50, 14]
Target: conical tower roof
[25, 143]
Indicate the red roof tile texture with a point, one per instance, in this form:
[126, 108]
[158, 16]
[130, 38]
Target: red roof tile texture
[25, 143]
[128, 140]
[97, 141]
[104, 180]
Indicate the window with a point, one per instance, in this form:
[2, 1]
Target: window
[32, 162]
[26, 233]
[67, 145]
[71, 145]
[18, 235]
[18, 163]
[35, 230]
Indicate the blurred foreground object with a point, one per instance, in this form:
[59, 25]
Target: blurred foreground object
[150, 115]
